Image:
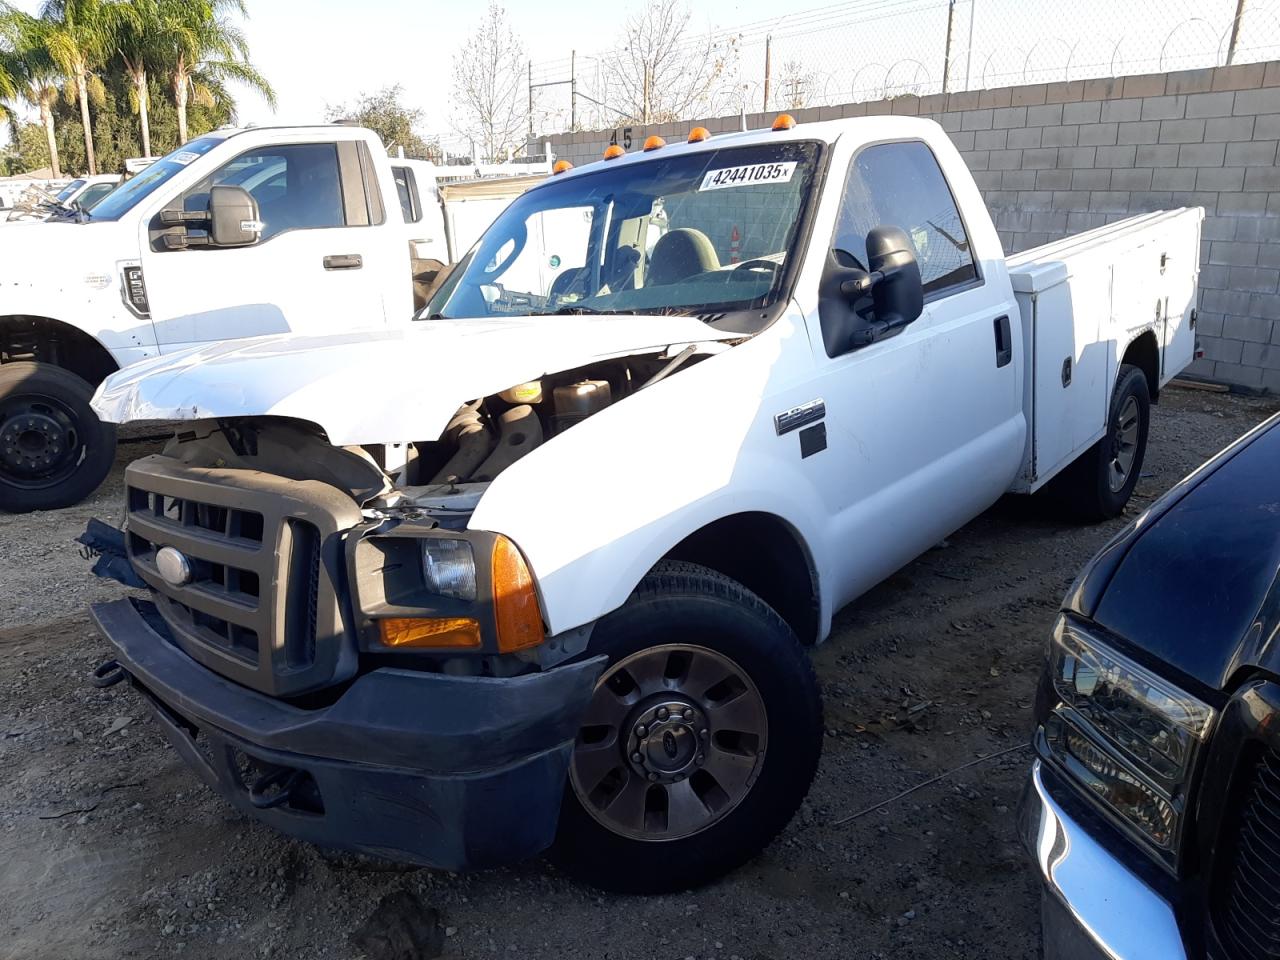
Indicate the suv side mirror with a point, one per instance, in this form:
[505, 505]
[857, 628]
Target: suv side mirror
[233, 217]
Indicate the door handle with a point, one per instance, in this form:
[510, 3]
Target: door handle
[343, 261]
[1004, 341]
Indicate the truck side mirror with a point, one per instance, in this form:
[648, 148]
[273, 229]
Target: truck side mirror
[233, 217]
[897, 291]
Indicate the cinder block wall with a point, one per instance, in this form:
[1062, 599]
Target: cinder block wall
[1053, 159]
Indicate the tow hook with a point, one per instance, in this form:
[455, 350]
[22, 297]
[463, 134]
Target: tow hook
[107, 674]
[283, 778]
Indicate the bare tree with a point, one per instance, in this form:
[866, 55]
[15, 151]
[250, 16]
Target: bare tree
[488, 88]
[793, 88]
[661, 71]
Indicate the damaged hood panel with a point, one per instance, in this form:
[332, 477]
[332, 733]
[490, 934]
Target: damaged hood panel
[379, 386]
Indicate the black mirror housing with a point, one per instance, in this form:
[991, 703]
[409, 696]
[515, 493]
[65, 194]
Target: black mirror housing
[233, 217]
[898, 294]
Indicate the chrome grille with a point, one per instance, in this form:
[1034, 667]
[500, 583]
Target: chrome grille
[262, 605]
[1248, 903]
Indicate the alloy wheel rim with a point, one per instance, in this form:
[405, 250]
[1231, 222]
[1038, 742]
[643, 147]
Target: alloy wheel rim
[1124, 444]
[673, 740]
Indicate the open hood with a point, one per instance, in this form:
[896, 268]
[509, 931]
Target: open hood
[381, 386]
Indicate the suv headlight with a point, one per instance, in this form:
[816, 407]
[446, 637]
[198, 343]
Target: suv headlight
[449, 568]
[1128, 736]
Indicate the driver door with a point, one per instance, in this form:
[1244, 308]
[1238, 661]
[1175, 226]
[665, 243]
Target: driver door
[316, 267]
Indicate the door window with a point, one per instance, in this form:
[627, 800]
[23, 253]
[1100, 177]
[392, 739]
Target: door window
[901, 185]
[297, 187]
[407, 191]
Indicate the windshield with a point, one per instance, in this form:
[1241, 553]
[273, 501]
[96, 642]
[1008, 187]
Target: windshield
[126, 196]
[68, 190]
[94, 195]
[697, 233]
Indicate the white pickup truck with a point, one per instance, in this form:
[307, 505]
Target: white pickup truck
[238, 233]
[82, 193]
[541, 569]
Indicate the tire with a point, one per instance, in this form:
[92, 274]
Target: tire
[718, 648]
[53, 450]
[1094, 487]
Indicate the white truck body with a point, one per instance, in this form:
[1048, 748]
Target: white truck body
[547, 556]
[924, 430]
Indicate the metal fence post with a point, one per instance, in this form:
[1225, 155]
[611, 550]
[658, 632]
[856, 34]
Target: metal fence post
[946, 57]
[768, 54]
[1235, 32]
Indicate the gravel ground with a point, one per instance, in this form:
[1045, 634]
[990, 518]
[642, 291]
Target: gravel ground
[109, 848]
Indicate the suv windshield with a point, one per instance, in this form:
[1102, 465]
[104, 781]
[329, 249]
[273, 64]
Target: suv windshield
[704, 232]
[126, 196]
[68, 190]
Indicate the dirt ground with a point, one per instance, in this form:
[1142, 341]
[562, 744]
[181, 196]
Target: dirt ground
[109, 848]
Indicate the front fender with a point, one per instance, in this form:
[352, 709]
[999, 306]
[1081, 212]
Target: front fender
[596, 507]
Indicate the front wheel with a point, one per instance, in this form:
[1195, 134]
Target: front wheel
[700, 741]
[53, 450]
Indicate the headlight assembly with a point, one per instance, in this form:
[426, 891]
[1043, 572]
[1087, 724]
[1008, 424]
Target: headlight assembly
[449, 568]
[1129, 737]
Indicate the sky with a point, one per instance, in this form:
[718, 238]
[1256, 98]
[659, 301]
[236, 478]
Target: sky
[321, 52]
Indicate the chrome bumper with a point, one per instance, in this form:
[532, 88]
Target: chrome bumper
[1094, 906]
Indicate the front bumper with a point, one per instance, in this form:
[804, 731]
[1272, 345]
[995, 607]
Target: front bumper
[443, 771]
[1094, 907]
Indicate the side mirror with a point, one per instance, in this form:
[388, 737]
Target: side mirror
[896, 288]
[233, 217]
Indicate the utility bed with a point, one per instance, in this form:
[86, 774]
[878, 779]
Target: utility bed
[1082, 301]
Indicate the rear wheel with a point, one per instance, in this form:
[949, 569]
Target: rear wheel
[1099, 484]
[700, 741]
[53, 450]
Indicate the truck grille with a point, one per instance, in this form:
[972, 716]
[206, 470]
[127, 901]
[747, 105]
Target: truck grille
[262, 603]
[1248, 901]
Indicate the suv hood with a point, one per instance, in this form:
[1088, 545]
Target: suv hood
[1194, 582]
[380, 387]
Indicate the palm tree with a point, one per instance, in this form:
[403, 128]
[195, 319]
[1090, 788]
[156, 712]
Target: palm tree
[141, 47]
[31, 71]
[81, 38]
[207, 50]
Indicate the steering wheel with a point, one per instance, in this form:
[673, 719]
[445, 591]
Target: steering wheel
[757, 266]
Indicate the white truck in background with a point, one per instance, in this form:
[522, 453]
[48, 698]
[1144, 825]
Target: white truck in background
[239, 233]
[540, 569]
[37, 205]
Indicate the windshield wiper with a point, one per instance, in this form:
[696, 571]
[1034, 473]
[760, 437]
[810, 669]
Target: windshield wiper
[573, 310]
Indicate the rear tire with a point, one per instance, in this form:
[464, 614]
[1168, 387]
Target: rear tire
[53, 450]
[1099, 483]
[700, 743]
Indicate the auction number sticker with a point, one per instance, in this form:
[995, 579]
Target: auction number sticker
[748, 175]
[184, 157]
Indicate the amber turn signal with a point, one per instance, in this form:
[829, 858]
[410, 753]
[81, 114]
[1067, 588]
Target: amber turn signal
[515, 603]
[613, 151]
[654, 142]
[698, 134]
[441, 632]
[561, 166]
[784, 121]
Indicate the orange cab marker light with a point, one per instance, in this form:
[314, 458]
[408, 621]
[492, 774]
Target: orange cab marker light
[698, 134]
[613, 151]
[561, 166]
[454, 632]
[785, 121]
[653, 143]
[515, 604]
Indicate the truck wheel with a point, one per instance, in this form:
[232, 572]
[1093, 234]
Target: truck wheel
[53, 450]
[1099, 484]
[673, 782]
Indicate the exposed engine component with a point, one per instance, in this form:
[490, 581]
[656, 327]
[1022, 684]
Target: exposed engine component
[530, 392]
[575, 402]
[471, 440]
[519, 431]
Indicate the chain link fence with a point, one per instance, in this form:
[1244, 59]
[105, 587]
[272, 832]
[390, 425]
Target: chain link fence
[863, 50]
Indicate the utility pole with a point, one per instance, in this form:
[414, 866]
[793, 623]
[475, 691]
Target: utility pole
[968, 54]
[946, 57]
[531, 99]
[573, 90]
[768, 64]
[1235, 32]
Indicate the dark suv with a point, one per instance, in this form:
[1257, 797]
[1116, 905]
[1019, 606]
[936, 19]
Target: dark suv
[1153, 808]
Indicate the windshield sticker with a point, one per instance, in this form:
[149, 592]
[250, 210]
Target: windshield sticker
[184, 157]
[749, 175]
